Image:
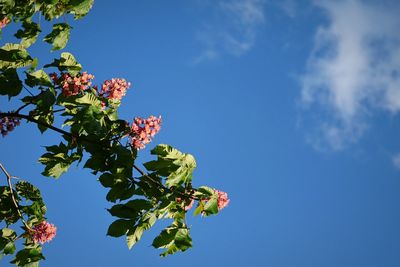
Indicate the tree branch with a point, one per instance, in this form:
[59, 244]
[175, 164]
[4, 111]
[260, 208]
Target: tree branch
[13, 196]
[29, 118]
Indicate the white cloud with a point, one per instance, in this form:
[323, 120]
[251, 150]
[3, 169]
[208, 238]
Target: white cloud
[232, 30]
[396, 161]
[354, 68]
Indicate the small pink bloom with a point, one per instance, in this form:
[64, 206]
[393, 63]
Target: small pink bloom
[114, 88]
[143, 130]
[43, 232]
[223, 199]
[73, 85]
[4, 22]
[8, 124]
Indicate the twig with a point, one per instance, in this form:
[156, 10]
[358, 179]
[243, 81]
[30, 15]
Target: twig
[28, 118]
[27, 90]
[13, 196]
[22, 107]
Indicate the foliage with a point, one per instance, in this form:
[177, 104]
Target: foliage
[93, 131]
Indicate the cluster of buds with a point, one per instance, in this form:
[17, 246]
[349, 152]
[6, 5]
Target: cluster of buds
[7, 124]
[4, 22]
[43, 232]
[143, 130]
[114, 88]
[73, 85]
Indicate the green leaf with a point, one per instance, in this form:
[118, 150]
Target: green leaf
[89, 99]
[211, 206]
[8, 233]
[135, 233]
[29, 34]
[57, 160]
[174, 238]
[67, 62]
[28, 256]
[165, 238]
[27, 190]
[14, 56]
[176, 166]
[182, 239]
[119, 228]
[59, 36]
[121, 192]
[131, 209]
[10, 84]
[80, 7]
[37, 78]
[9, 248]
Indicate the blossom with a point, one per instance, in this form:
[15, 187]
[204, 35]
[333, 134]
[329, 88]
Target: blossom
[72, 85]
[43, 232]
[114, 88]
[4, 22]
[7, 124]
[143, 130]
[223, 199]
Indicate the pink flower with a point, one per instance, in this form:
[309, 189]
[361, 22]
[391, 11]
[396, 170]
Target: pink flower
[223, 199]
[72, 85]
[4, 22]
[7, 124]
[114, 88]
[143, 130]
[43, 232]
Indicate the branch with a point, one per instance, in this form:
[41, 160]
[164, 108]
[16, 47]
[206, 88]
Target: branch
[29, 118]
[13, 196]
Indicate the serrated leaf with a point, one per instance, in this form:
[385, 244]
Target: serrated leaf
[10, 84]
[119, 228]
[211, 207]
[59, 36]
[29, 34]
[176, 166]
[165, 238]
[67, 62]
[80, 7]
[14, 56]
[135, 233]
[28, 190]
[37, 78]
[57, 160]
[89, 99]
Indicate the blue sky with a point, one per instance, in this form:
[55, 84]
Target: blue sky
[289, 106]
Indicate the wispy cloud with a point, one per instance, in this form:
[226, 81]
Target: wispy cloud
[396, 161]
[232, 30]
[354, 68]
[289, 7]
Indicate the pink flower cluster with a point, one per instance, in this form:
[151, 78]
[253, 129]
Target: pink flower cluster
[43, 232]
[223, 199]
[4, 22]
[8, 124]
[114, 88]
[73, 85]
[143, 130]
